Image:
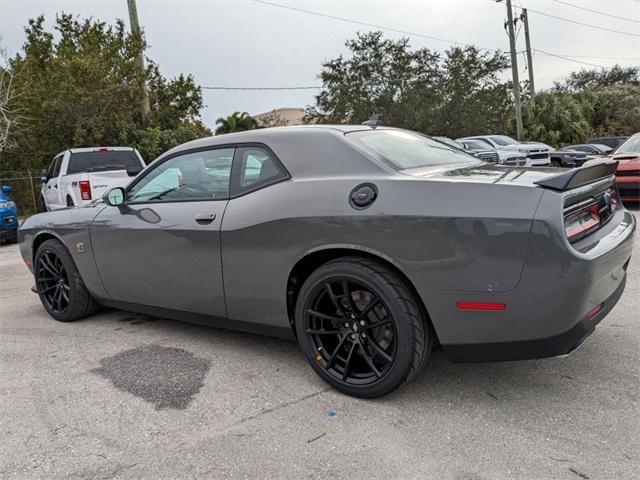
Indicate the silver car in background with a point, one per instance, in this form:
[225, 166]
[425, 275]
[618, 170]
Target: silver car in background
[537, 154]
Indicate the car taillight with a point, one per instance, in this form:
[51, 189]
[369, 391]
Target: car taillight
[580, 222]
[85, 190]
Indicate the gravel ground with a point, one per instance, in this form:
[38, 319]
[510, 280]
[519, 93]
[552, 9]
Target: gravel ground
[127, 396]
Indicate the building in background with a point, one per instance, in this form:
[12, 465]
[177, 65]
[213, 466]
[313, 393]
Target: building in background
[280, 117]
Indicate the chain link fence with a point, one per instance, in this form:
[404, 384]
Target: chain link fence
[25, 191]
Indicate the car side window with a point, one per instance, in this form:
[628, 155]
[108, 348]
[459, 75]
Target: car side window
[203, 175]
[54, 168]
[255, 168]
[487, 142]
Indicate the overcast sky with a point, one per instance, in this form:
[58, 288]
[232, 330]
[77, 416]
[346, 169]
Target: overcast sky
[241, 43]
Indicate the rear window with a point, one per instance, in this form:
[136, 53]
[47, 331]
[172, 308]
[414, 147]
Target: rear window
[104, 161]
[404, 150]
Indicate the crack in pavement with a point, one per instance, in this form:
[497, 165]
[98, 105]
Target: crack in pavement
[283, 405]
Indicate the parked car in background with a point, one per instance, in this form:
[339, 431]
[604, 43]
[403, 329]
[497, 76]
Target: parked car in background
[591, 149]
[567, 158]
[484, 152]
[537, 153]
[365, 244]
[611, 142]
[8, 216]
[628, 172]
[79, 175]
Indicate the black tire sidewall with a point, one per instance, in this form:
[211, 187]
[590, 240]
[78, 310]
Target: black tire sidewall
[404, 331]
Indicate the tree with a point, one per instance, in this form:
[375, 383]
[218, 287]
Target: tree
[81, 87]
[236, 122]
[594, 79]
[10, 119]
[556, 119]
[454, 94]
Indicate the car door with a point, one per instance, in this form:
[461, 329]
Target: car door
[250, 246]
[50, 190]
[162, 248]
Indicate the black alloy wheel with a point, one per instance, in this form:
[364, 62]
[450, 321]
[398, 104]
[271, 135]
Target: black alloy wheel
[352, 330]
[52, 282]
[361, 328]
[59, 285]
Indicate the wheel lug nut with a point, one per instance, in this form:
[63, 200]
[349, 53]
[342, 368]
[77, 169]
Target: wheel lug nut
[346, 324]
[353, 336]
[363, 335]
[353, 316]
[362, 322]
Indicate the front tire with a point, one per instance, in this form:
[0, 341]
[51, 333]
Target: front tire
[60, 287]
[361, 328]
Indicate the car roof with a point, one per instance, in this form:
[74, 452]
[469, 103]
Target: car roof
[260, 135]
[305, 150]
[97, 149]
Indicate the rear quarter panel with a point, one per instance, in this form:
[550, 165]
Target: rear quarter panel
[444, 236]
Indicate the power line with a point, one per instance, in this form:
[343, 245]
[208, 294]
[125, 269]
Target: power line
[263, 88]
[366, 24]
[598, 57]
[597, 27]
[595, 11]
[567, 58]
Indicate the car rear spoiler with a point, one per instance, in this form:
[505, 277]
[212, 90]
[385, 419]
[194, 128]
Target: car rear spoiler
[579, 176]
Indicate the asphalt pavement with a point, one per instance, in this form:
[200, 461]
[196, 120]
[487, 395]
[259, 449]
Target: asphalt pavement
[122, 395]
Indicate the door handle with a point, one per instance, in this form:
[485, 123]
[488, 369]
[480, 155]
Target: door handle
[205, 218]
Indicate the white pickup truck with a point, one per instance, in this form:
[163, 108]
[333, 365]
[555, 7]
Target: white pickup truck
[80, 175]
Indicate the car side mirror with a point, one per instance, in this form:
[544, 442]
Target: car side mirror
[6, 189]
[44, 176]
[114, 197]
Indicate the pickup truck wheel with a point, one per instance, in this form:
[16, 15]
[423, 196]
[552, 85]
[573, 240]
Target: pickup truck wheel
[60, 287]
[361, 328]
[70, 202]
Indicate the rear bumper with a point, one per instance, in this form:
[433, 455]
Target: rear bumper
[547, 313]
[553, 346]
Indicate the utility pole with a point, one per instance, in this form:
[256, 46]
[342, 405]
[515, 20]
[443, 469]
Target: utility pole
[135, 30]
[527, 39]
[514, 71]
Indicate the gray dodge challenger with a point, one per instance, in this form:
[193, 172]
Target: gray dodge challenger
[370, 245]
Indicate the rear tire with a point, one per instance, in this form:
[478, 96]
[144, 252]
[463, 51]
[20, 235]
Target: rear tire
[70, 202]
[60, 287]
[361, 328]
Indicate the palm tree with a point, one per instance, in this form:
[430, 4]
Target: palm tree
[236, 122]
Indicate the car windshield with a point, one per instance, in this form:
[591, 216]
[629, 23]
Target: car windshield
[104, 160]
[503, 140]
[630, 146]
[403, 150]
[476, 144]
[448, 141]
